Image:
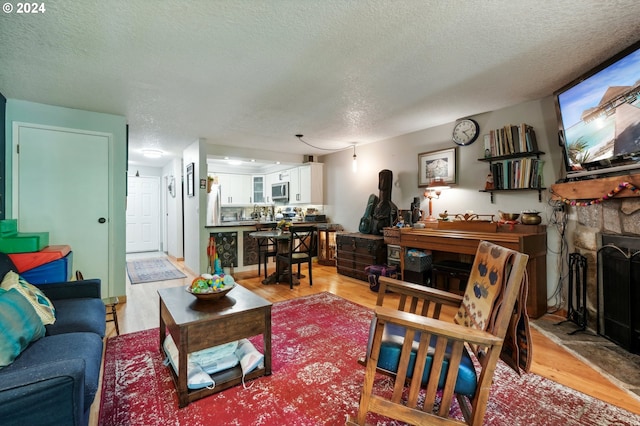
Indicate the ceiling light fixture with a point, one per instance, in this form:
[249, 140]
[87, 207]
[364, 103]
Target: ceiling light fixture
[152, 153]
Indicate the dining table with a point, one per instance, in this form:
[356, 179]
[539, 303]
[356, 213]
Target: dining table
[281, 239]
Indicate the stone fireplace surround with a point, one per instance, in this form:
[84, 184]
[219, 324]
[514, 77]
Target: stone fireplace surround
[617, 217]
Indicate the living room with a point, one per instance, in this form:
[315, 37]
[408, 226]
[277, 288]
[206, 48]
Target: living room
[47, 99]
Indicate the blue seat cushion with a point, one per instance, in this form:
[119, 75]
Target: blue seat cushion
[389, 360]
[66, 347]
[78, 315]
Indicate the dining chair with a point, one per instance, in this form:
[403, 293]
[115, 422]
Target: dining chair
[302, 249]
[432, 360]
[266, 246]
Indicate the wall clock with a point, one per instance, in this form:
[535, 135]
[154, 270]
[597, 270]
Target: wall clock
[466, 132]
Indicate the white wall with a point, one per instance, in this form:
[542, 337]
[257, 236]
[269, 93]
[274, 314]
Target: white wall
[346, 196]
[144, 171]
[172, 241]
[50, 115]
[196, 235]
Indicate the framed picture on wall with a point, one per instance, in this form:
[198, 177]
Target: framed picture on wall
[437, 164]
[190, 180]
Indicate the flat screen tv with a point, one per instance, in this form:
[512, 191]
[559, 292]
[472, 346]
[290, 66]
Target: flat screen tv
[599, 117]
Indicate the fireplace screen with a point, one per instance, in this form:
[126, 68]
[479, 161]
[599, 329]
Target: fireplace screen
[619, 290]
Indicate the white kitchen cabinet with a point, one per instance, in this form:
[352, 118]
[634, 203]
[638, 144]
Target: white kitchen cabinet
[258, 189]
[235, 189]
[270, 179]
[305, 184]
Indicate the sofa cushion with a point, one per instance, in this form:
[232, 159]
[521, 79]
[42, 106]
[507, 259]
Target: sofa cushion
[389, 359]
[75, 315]
[40, 302]
[19, 325]
[66, 347]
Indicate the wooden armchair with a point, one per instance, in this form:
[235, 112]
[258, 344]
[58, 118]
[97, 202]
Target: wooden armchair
[409, 340]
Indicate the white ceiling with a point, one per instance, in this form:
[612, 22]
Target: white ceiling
[253, 73]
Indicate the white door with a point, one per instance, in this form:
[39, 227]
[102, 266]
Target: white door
[61, 186]
[143, 214]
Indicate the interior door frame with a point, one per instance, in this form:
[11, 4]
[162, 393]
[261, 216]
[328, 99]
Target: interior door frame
[107, 284]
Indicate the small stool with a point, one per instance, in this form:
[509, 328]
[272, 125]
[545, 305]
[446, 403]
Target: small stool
[110, 304]
[448, 269]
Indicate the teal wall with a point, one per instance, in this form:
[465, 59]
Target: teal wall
[30, 112]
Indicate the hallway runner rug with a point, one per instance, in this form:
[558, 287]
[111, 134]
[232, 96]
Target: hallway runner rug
[316, 380]
[153, 269]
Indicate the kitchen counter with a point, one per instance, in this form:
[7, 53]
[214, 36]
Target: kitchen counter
[253, 223]
[243, 250]
[236, 223]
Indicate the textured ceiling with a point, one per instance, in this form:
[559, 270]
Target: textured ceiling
[254, 73]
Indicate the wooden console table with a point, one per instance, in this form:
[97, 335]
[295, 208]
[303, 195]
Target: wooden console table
[466, 242]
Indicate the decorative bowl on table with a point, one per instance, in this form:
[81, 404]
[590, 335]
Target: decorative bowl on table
[211, 287]
[508, 217]
[531, 217]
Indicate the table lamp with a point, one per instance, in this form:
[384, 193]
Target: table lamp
[434, 189]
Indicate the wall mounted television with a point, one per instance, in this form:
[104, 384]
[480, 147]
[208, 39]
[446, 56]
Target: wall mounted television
[599, 117]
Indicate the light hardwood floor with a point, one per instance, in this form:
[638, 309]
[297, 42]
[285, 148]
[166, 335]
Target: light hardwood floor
[140, 312]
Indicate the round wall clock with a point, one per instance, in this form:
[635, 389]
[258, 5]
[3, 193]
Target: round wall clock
[466, 132]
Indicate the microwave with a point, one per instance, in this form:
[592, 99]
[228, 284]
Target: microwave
[280, 191]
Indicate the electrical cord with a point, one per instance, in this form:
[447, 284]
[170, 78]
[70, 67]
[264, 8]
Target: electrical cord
[320, 148]
[558, 220]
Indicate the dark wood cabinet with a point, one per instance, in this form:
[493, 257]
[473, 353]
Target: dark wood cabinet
[356, 251]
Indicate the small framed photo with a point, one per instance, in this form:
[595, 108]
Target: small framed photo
[190, 180]
[437, 164]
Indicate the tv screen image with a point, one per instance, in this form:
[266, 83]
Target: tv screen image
[599, 115]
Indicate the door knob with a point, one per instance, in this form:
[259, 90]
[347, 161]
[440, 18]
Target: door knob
[102, 220]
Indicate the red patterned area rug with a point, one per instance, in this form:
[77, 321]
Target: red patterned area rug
[316, 380]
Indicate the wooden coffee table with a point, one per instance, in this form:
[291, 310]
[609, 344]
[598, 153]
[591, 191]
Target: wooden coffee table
[195, 325]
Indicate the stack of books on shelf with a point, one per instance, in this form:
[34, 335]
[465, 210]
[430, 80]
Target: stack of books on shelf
[518, 174]
[510, 140]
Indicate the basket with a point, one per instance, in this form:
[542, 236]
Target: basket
[213, 294]
[417, 261]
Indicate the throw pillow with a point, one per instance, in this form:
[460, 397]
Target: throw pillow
[19, 325]
[38, 300]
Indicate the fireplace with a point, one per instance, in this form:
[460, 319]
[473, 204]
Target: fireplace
[619, 290]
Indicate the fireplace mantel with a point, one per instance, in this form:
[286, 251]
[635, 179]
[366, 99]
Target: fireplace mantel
[594, 188]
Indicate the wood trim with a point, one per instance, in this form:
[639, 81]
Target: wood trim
[594, 188]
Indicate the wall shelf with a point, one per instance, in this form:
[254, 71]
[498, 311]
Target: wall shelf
[508, 159]
[590, 189]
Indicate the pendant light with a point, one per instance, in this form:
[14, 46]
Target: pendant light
[354, 164]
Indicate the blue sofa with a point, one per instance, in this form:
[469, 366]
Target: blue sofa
[55, 379]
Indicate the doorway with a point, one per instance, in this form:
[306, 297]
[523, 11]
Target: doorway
[143, 214]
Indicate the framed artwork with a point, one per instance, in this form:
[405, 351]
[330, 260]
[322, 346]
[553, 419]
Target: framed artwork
[190, 180]
[437, 164]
